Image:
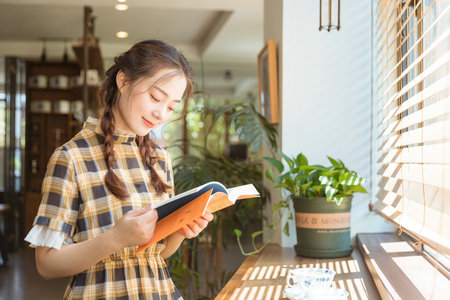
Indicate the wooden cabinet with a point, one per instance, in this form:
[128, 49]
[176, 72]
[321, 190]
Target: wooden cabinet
[48, 124]
[47, 128]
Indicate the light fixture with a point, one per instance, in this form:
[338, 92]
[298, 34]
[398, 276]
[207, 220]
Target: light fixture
[122, 1]
[228, 76]
[121, 7]
[330, 13]
[121, 34]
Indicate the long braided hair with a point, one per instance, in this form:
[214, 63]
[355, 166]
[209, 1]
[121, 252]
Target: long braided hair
[143, 60]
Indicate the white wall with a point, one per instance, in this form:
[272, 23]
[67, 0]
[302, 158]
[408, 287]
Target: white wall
[273, 30]
[326, 94]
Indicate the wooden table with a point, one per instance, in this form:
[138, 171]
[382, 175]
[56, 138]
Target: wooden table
[263, 276]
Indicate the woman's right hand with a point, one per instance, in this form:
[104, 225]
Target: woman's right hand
[136, 227]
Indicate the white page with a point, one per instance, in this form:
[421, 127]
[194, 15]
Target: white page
[248, 189]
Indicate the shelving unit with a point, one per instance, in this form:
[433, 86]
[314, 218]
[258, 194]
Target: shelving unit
[45, 131]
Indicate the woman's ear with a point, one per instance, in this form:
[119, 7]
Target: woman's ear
[120, 80]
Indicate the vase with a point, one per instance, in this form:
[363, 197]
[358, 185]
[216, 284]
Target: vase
[323, 228]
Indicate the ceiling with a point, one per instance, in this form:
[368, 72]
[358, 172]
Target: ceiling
[220, 34]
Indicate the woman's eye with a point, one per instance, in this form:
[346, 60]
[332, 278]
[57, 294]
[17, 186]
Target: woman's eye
[154, 99]
[171, 109]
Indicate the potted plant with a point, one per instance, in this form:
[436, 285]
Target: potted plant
[322, 197]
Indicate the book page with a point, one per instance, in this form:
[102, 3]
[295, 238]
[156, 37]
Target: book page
[170, 205]
[217, 202]
[242, 192]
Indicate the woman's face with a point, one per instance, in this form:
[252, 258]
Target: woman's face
[146, 105]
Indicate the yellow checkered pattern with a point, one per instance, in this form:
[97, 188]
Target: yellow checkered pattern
[75, 200]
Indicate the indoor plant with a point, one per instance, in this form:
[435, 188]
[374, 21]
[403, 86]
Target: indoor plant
[322, 197]
[203, 160]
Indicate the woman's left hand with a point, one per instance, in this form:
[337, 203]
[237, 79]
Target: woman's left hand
[193, 229]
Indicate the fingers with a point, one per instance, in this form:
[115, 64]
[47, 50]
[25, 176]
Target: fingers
[150, 215]
[200, 223]
[208, 217]
[139, 211]
[187, 232]
[146, 213]
[193, 229]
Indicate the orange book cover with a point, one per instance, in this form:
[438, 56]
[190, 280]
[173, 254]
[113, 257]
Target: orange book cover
[176, 212]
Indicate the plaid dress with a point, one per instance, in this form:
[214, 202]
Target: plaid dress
[76, 201]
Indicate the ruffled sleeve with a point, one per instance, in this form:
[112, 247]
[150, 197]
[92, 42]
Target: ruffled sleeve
[40, 236]
[58, 210]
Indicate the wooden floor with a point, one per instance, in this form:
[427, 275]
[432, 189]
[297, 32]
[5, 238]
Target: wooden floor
[263, 276]
[19, 279]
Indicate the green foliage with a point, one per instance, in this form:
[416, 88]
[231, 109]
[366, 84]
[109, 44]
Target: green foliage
[250, 125]
[193, 170]
[312, 181]
[205, 161]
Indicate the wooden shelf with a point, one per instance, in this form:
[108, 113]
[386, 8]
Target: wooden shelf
[95, 57]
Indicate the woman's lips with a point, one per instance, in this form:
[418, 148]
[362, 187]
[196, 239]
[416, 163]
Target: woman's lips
[148, 123]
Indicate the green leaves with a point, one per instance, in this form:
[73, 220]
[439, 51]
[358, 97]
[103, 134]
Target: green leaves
[303, 180]
[289, 161]
[257, 233]
[286, 229]
[335, 163]
[301, 160]
[252, 127]
[351, 179]
[276, 163]
[270, 175]
[330, 192]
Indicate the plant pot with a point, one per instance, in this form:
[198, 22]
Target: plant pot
[323, 228]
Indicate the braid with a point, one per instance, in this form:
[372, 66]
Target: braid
[115, 185]
[147, 147]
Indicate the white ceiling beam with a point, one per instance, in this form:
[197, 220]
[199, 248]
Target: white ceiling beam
[208, 38]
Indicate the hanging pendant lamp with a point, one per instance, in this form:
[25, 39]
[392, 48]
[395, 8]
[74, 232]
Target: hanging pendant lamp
[330, 15]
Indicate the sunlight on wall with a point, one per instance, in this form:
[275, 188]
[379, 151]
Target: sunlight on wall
[326, 95]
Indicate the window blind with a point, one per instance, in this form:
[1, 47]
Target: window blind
[411, 92]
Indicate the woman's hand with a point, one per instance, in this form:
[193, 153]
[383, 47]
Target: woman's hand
[193, 229]
[136, 227]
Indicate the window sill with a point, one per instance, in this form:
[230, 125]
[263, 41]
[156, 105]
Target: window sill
[398, 270]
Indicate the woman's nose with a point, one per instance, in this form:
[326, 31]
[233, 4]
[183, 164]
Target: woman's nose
[159, 113]
[156, 114]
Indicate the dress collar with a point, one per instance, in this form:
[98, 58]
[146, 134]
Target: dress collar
[119, 136]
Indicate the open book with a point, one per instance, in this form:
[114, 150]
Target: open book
[186, 207]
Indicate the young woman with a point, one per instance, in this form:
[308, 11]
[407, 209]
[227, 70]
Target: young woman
[99, 188]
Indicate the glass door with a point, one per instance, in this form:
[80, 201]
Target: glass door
[12, 142]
